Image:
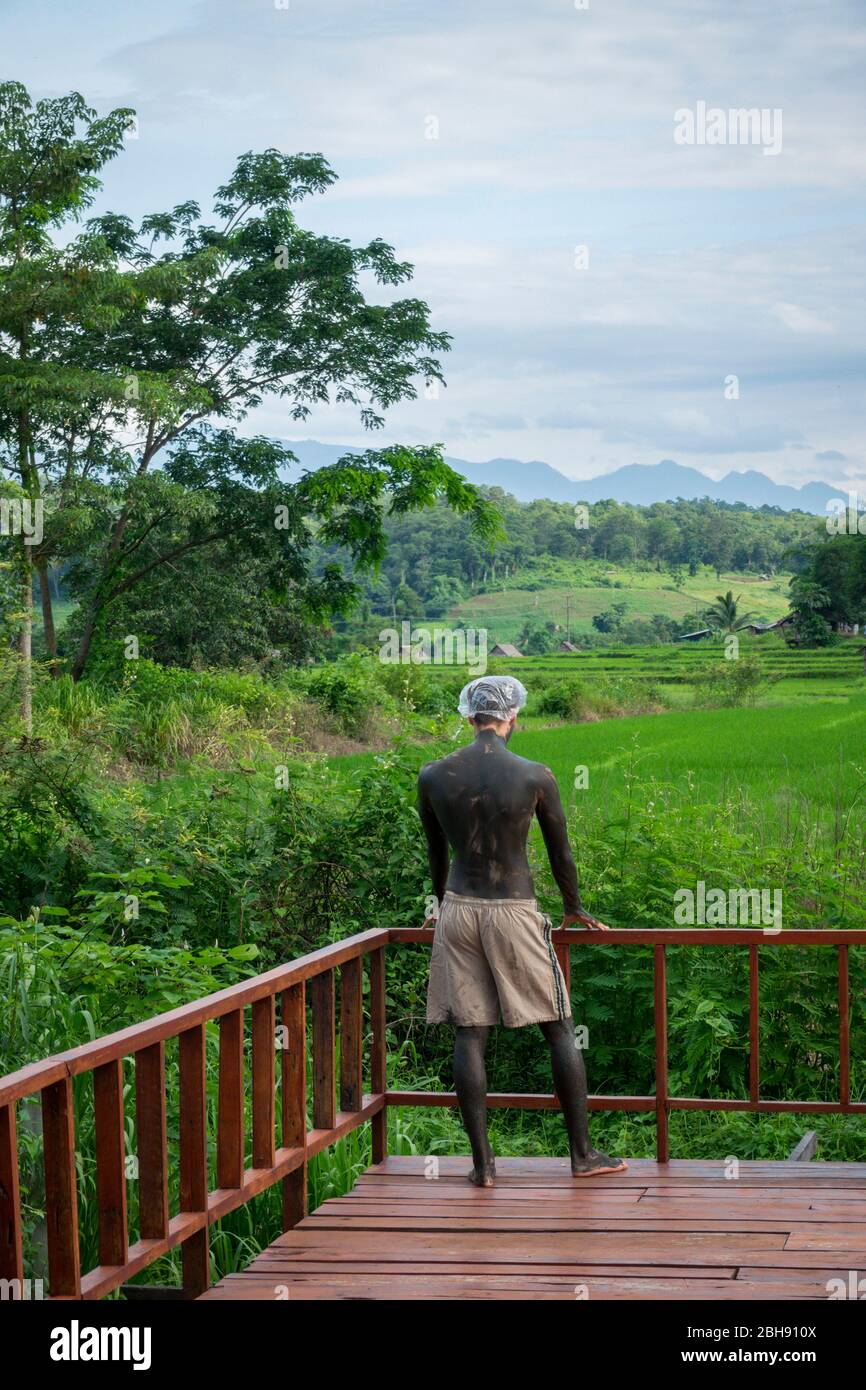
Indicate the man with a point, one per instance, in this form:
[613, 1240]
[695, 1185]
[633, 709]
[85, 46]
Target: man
[492, 957]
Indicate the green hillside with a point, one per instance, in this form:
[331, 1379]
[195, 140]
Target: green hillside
[644, 593]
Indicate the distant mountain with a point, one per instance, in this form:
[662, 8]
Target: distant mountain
[640, 483]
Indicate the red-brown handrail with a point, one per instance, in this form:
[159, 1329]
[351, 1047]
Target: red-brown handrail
[662, 1102]
[200, 1205]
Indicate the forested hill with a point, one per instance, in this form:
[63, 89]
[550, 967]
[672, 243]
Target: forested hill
[434, 561]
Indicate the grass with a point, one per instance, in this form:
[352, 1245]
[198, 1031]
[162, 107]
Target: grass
[810, 715]
[673, 670]
[643, 592]
[744, 791]
[770, 757]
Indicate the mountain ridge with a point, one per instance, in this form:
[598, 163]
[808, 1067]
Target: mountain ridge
[639, 483]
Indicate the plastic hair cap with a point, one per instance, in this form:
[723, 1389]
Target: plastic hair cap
[500, 696]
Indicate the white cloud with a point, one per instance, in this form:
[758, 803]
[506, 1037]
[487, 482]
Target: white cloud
[799, 320]
[555, 129]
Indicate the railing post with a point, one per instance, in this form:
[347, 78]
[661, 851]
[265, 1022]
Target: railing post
[293, 1015]
[193, 1157]
[844, 1030]
[110, 1162]
[61, 1192]
[754, 1027]
[351, 1009]
[151, 1142]
[324, 1041]
[230, 1105]
[378, 1060]
[661, 1031]
[11, 1261]
[264, 1047]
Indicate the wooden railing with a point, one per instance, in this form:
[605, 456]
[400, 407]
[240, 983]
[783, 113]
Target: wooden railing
[199, 1204]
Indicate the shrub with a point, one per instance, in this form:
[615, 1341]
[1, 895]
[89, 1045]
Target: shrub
[566, 699]
[413, 687]
[576, 701]
[60, 986]
[345, 690]
[731, 683]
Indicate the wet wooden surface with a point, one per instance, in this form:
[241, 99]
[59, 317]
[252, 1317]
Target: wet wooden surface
[414, 1228]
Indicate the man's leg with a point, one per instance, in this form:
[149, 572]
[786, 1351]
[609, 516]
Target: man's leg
[470, 1083]
[569, 1082]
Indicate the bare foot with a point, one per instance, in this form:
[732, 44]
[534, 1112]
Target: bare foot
[595, 1163]
[482, 1175]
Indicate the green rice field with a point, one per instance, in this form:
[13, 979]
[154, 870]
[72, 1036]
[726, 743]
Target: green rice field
[773, 760]
[793, 677]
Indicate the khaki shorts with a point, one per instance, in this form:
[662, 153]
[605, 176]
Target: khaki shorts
[493, 961]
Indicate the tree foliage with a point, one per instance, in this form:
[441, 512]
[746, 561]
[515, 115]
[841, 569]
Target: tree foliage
[129, 355]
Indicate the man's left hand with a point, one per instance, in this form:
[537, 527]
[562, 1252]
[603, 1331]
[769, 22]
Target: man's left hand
[583, 919]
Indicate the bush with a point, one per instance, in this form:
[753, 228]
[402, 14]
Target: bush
[566, 699]
[61, 986]
[576, 702]
[811, 630]
[413, 687]
[731, 683]
[158, 714]
[345, 690]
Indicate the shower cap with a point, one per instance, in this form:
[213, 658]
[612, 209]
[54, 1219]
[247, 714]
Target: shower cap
[501, 696]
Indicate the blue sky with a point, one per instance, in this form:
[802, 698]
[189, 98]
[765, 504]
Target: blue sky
[553, 130]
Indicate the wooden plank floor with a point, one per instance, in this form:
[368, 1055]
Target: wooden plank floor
[681, 1230]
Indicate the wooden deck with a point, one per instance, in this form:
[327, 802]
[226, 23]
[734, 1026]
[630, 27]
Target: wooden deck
[677, 1230]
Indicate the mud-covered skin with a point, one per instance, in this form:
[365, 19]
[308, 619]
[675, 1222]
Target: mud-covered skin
[477, 805]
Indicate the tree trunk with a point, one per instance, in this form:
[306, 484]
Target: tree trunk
[83, 652]
[48, 619]
[25, 641]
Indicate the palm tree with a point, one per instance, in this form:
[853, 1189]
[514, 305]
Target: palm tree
[723, 613]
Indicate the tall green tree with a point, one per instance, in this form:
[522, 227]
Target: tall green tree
[225, 562]
[50, 156]
[254, 306]
[809, 602]
[185, 326]
[829, 590]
